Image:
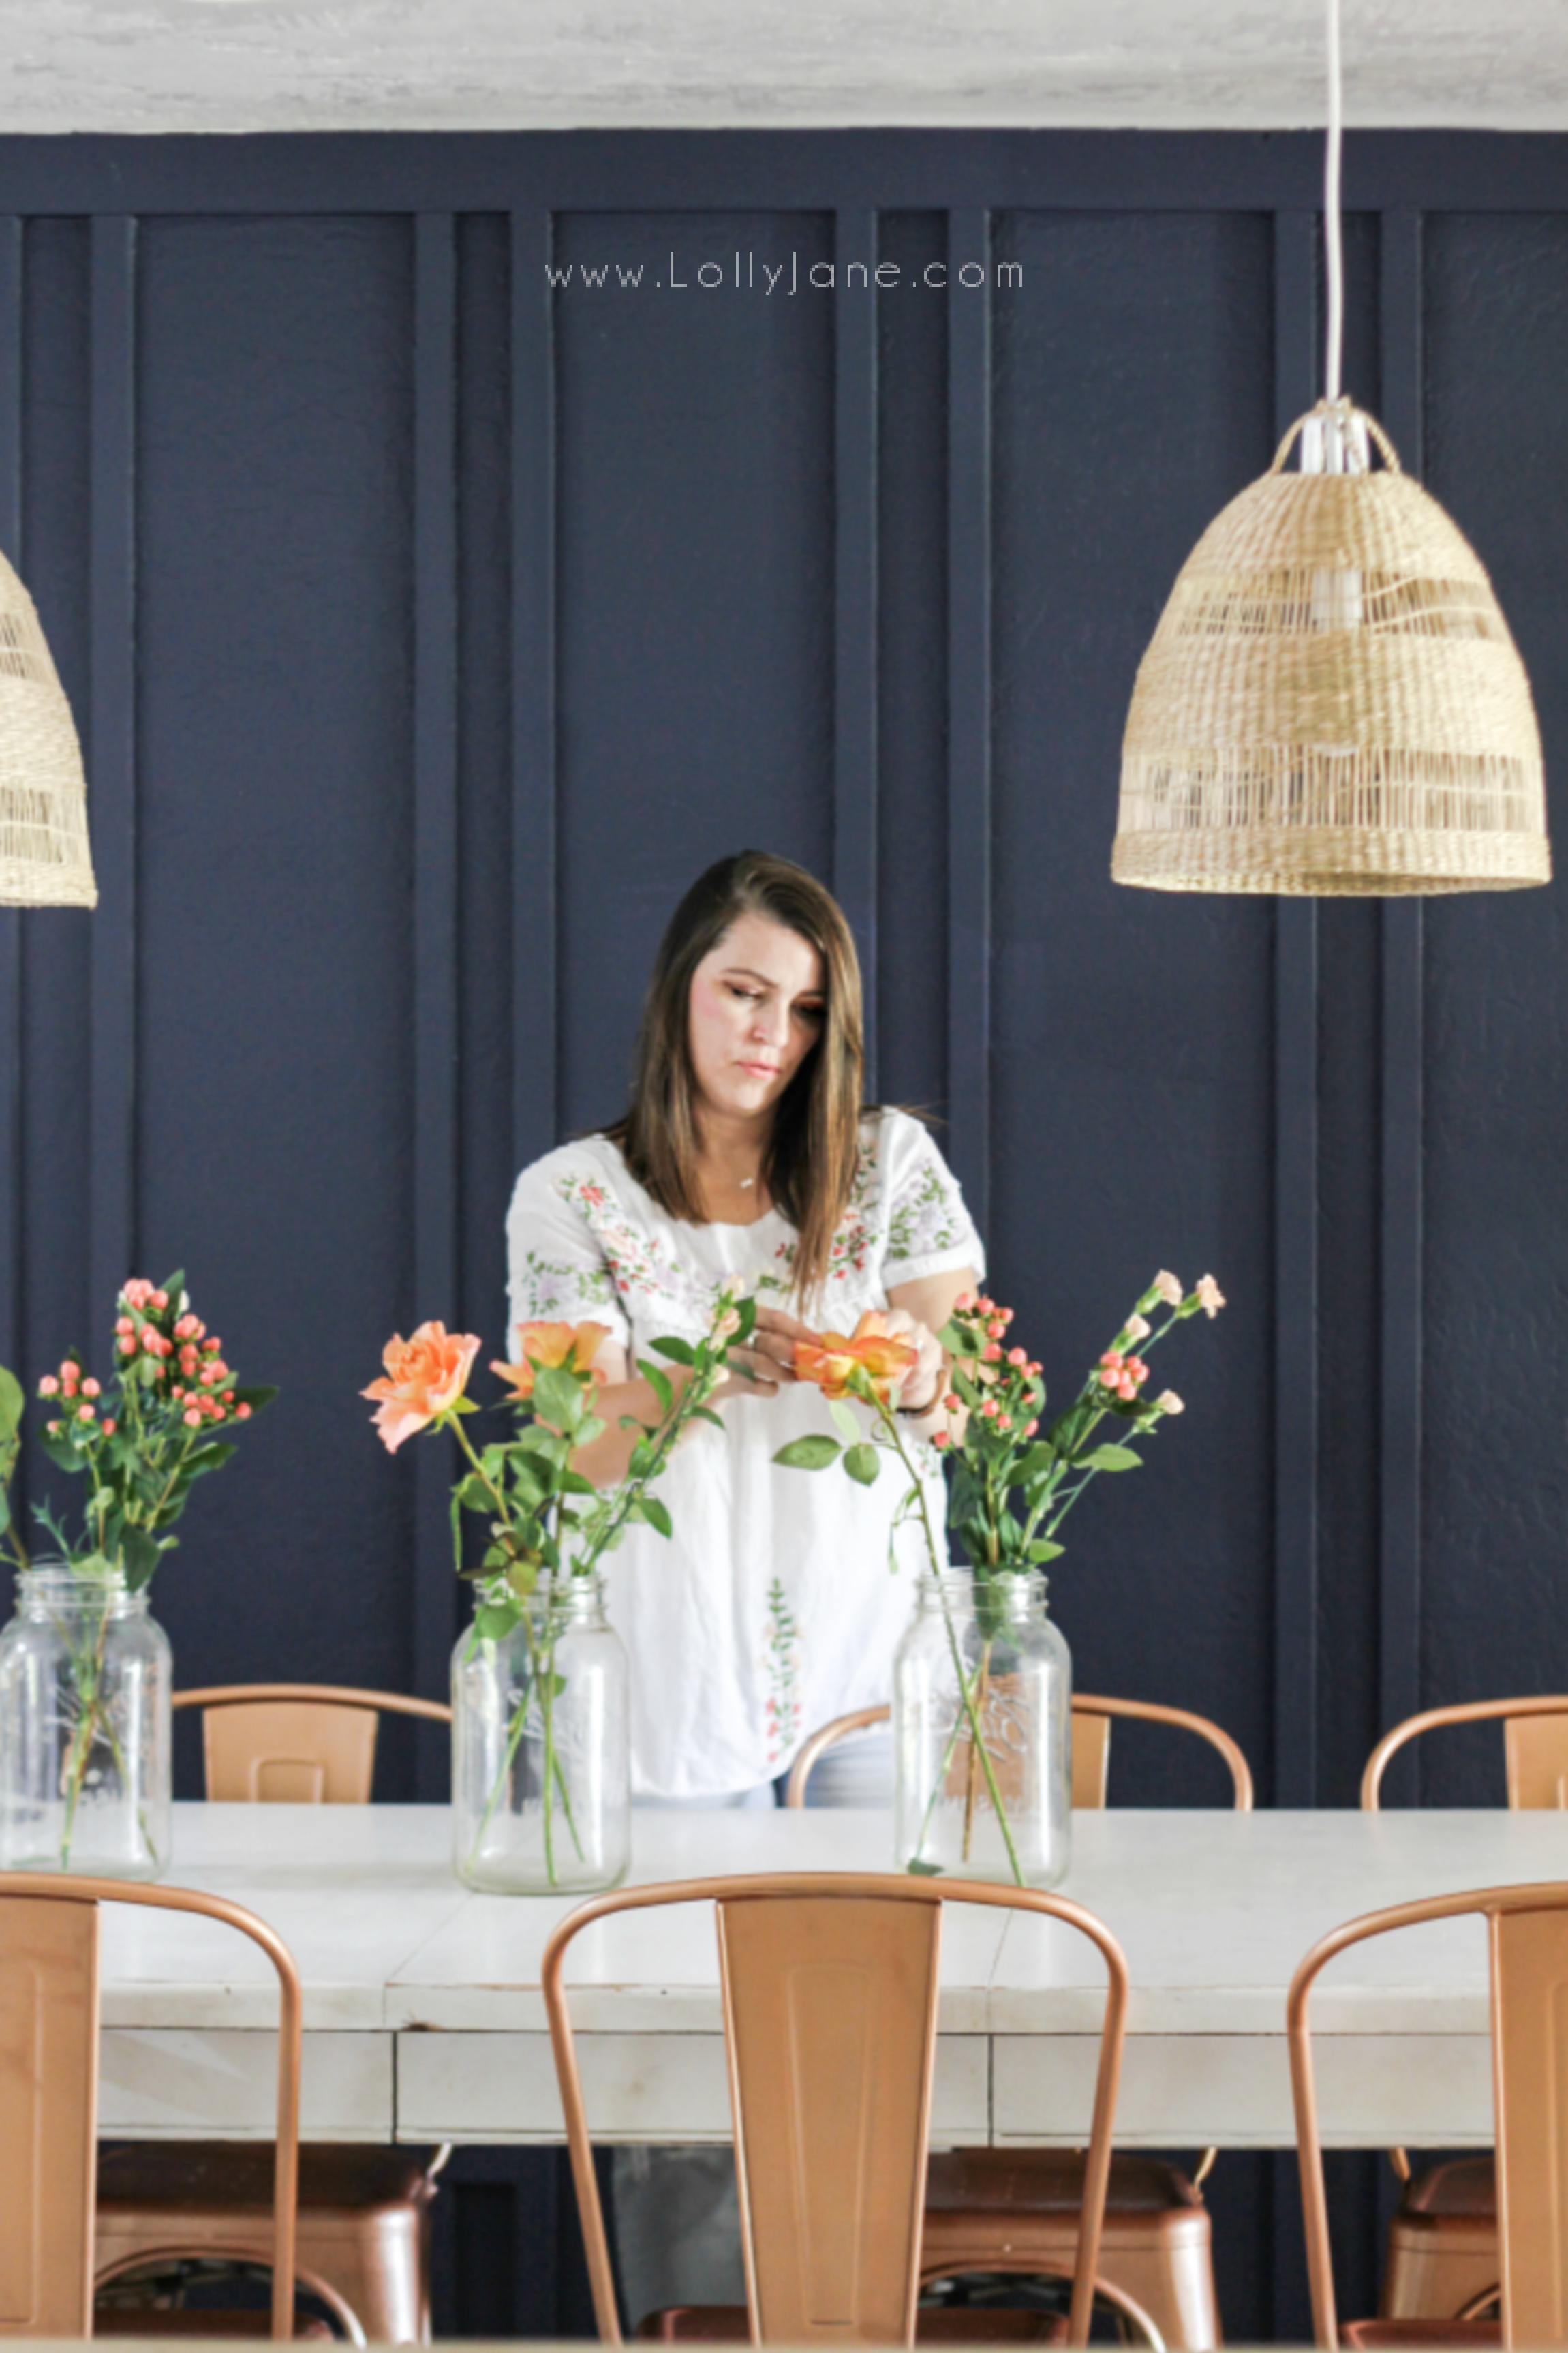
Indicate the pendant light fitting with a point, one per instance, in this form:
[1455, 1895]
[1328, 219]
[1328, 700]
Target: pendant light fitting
[1331, 704]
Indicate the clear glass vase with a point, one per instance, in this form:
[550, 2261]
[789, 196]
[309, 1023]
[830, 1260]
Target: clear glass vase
[85, 1739]
[982, 1654]
[541, 1788]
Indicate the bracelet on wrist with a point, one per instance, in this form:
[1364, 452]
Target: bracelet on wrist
[918, 1413]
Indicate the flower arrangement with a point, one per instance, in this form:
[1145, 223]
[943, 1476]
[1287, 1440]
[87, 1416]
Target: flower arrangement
[1011, 1484]
[142, 1442]
[547, 1525]
[139, 1440]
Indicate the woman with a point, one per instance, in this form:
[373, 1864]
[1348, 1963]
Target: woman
[745, 1152]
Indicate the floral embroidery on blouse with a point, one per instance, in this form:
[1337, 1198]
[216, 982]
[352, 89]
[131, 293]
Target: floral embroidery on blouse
[926, 1221]
[783, 1646]
[633, 1262]
[853, 1237]
[553, 1288]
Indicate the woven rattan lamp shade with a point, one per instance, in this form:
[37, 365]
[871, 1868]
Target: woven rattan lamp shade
[44, 859]
[1332, 703]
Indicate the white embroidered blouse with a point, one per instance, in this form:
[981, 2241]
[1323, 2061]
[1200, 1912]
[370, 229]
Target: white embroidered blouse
[781, 1597]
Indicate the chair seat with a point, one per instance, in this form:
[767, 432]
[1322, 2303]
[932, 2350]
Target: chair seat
[363, 2217]
[151, 2320]
[1465, 2189]
[726, 2324]
[1388, 2335]
[1050, 2181]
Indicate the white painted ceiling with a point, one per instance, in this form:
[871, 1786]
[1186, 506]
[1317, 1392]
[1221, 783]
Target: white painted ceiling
[366, 65]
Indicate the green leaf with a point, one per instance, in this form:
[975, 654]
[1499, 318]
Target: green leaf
[472, 1493]
[556, 1397]
[746, 1309]
[1113, 1458]
[679, 1352]
[13, 1403]
[495, 1619]
[1043, 1549]
[60, 1450]
[656, 1516]
[862, 1465]
[573, 1484]
[812, 1453]
[848, 1424]
[659, 1383]
[207, 1458]
[706, 1413]
[141, 1557]
[1041, 1457]
[257, 1399]
[924, 1870]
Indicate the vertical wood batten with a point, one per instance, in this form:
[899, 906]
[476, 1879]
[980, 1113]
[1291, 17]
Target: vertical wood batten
[112, 753]
[855, 599]
[968, 1138]
[534, 825]
[1401, 1041]
[11, 333]
[1294, 1162]
[435, 915]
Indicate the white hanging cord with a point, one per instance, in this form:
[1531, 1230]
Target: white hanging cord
[1333, 238]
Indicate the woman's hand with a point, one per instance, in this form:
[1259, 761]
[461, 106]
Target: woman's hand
[923, 1386]
[770, 1359]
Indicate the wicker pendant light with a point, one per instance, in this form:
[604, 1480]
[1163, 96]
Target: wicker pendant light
[1331, 704]
[45, 858]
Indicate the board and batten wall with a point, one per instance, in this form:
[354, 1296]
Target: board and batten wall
[451, 543]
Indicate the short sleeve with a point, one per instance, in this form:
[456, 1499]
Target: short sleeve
[929, 1230]
[557, 1268]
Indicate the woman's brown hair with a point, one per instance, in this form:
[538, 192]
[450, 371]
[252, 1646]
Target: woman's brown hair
[810, 1163]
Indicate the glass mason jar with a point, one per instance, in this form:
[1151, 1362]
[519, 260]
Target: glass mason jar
[541, 1788]
[84, 1737]
[982, 1653]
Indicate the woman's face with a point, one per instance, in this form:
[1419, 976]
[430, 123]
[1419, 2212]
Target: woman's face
[756, 1010]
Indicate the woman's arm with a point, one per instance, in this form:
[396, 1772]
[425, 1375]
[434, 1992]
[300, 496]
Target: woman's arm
[926, 1305]
[624, 1390]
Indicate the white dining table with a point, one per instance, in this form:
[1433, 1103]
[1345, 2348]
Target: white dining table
[424, 2019]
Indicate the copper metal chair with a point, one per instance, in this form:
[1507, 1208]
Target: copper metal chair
[829, 1985]
[365, 2212]
[1528, 1942]
[49, 2099]
[1442, 2240]
[996, 2209]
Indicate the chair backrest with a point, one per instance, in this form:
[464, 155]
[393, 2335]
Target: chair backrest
[1092, 1720]
[296, 1744]
[829, 1985]
[1528, 1934]
[48, 2094]
[1535, 1747]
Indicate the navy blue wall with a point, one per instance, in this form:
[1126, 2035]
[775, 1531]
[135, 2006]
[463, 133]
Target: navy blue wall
[429, 628]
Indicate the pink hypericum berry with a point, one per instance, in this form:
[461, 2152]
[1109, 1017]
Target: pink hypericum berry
[108, 1429]
[1030, 1428]
[953, 1400]
[92, 1388]
[939, 1438]
[242, 1413]
[220, 1368]
[990, 1409]
[137, 1292]
[159, 1300]
[210, 1374]
[210, 1348]
[186, 1329]
[152, 1341]
[54, 1429]
[1126, 1388]
[48, 1386]
[1110, 1357]
[1034, 1369]
[127, 1343]
[1003, 1421]
[1137, 1369]
[1016, 1357]
[1110, 1378]
[965, 1300]
[991, 1353]
[86, 1412]
[1007, 1314]
[193, 1418]
[996, 1327]
[123, 1323]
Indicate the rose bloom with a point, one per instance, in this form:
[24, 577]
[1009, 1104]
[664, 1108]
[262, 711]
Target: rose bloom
[424, 1376]
[829, 1360]
[541, 1347]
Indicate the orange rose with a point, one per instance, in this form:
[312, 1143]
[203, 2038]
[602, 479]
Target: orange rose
[424, 1376]
[571, 1348]
[830, 1359]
